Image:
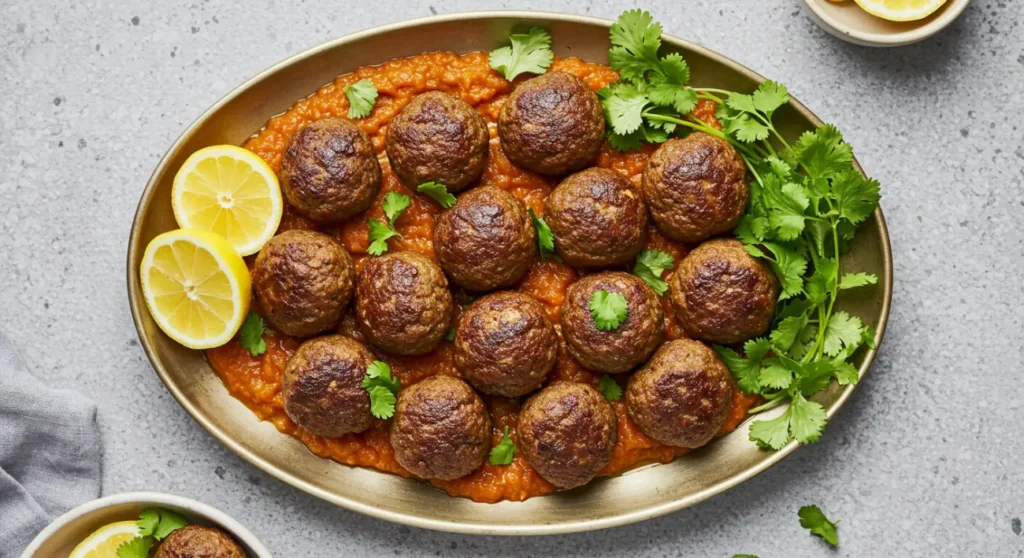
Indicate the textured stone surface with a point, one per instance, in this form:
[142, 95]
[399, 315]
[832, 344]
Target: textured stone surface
[926, 456]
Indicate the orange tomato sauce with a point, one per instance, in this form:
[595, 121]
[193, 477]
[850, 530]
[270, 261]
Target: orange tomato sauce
[257, 381]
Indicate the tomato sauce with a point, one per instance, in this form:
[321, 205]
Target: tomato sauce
[257, 381]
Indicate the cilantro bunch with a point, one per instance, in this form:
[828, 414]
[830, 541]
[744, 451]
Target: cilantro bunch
[154, 524]
[806, 201]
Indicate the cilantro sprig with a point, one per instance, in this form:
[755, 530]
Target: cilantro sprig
[504, 452]
[529, 53]
[383, 389]
[608, 309]
[545, 237]
[251, 334]
[394, 204]
[814, 520]
[650, 264]
[362, 95]
[154, 524]
[609, 388]
[806, 202]
[437, 192]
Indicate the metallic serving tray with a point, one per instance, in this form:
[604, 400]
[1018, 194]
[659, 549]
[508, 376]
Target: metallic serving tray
[640, 494]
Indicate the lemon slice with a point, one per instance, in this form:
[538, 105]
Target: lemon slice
[901, 10]
[104, 541]
[196, 286]
[229, 191]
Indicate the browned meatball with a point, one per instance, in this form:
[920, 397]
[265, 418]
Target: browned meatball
[620, 349]
[486, 240]
[505, 345]
[441, 429]
[303, 280]
[552, 124]
[597, 217]
[696, 187]
[196, 541]
[403, 305]
[330, 172]
[438, 138]
[567, 432]
[722, 294]
[682, 396]
[323, 386]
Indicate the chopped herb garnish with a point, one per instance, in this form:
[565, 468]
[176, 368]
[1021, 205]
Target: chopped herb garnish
[437, 192]
[650, 264]
[503, 453]
[383, 389]
[251, 334]
[545, 238]
[813, 519]
[609, 388]
[393, 206]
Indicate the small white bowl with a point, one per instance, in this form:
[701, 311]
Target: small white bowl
[64, 534]
[847, 21]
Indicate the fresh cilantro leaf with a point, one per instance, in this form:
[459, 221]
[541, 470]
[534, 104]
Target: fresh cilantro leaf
[741, 103]
[842, 330]
[746, 129]
[608, 309]
[635, 39]
[382, 388]
[503, 453]
[867, 336]
[806, 419]
[529, 53]
[804, 341]
[856, 197]
[853, 280]
[786, 332]
[812, 518]
[362, 95]
[770, 96]
[789, 267]
[771, 434]
[250, 336]
[624, 106]
[170, 521]
[675, 68]
[394, 204]
[545, 238]
[450, 334]
[845, 373]
[437, 192]
[609, 388]
[745, 370]
[626, 142]
[822, 153]
[650, 264]
[135, 548]
[148, 520]
[379, 235]
[775, 376]
[815, 376]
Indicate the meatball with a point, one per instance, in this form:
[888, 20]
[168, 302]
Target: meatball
[567, 432]
[438, 138]
[196, 541]
[441, 429]
[682, 396]
[722, 294]
[695, 187]
[323, 386]
[598, 218]
[622, 348]
[403, 305]
[329, 171]
[486, 240]
[552, 124]
[505, 345]
[303, 280]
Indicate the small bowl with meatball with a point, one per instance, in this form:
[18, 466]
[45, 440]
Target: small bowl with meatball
[202, 530]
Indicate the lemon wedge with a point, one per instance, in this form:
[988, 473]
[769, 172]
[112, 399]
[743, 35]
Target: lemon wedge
[900, 10]
[104, 541]
[196, 286]
[229, 191]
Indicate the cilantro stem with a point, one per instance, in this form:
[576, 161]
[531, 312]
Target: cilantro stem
[771, 404]
[712, 90]
[744, 149]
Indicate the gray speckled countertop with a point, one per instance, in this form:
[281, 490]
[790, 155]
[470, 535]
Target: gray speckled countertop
[925, 457]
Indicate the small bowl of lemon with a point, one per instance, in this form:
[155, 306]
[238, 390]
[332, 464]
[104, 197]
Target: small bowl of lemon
[884, 23]
[133, 525]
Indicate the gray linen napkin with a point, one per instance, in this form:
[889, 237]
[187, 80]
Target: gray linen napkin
[49, 452]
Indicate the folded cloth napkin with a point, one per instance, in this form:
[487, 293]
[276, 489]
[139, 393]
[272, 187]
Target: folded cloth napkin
[49, 453]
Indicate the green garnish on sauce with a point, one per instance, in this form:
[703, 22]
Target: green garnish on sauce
[362, 95]
[437, 192]
[503, 453]
[154, 524]
[529, 53]
[251, 334]
[393, 206]
[650, 264]
[545, 238]
[609, 388]
[608, 309]
[383, 389]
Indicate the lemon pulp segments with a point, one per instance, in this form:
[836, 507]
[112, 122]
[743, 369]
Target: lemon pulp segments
[103, 542]
[229, 191]
[196, 286]
[901, 10]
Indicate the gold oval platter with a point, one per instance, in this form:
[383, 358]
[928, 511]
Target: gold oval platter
[640, 494]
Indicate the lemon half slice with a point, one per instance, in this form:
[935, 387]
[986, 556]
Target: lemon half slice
[229, 191]
[104, 541]
[901, 10]
[196, 286]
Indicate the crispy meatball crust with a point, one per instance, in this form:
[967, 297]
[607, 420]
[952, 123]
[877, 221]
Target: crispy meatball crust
[567, 432]
[722, 294]
[438, 138]
[403, 305]
[303, 281]
[552, 124]
[330, 171]
[621, 349]
[441, 429]
[682, 396]
[505, 345]
[597, 217]
[323, 389]
[486, 240]
[196, 541]
[695, 187]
